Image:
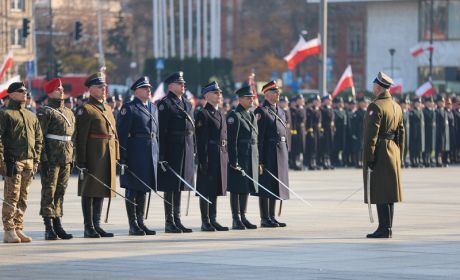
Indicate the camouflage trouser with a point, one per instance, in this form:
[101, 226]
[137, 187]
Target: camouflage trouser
[15, 194]
[54, 183]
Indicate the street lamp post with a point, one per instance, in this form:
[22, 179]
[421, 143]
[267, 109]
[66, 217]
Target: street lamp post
[392, 53]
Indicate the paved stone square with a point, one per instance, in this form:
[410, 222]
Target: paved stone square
[325, 241]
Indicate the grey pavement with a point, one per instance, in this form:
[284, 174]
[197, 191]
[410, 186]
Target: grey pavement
[325, 241]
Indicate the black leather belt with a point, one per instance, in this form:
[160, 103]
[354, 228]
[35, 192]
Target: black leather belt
[387, 136]
[181, 133]
[281, 139]
[251, 141]
[143, 135]
[221, 143]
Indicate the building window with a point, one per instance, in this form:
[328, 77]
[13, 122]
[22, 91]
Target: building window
[18, 5]
[445, 79]
[16, 38]
[355, 38]
[446, 19]
[332, 38]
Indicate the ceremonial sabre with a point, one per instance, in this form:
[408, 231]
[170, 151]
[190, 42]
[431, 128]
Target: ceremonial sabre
[284, 185]
[264, 188]
[368, 187]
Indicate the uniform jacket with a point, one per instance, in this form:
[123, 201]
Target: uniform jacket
[211, 139]
[383, 116]
[137, 127]
[341, 124]
[429, 116]
[97, 148]
[417, 131]
[298, 118]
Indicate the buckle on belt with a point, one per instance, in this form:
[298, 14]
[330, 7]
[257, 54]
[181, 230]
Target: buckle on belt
[283, 139]
[223, 143]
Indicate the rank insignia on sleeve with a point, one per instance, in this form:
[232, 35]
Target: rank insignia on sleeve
[230, 120]
[123, 111]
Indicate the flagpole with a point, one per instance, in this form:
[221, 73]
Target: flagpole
[323, 60]
[431, 40]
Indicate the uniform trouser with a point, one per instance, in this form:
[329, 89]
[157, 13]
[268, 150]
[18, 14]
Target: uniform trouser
[17, 181]
[54, 183]
[172, 213]
[238, 203]
[385, 213]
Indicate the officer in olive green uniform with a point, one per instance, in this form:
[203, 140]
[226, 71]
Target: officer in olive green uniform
[97, 155]
[383, 146]
[58, 126]
[20, 147]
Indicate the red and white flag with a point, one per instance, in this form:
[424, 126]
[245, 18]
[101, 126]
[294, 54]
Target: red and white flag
[159, 93]
[7, 64]
[420, 48]
[5, 85]
[252, 84]
[396, 87]
[346, 81]
[426, 89]
[302, 50]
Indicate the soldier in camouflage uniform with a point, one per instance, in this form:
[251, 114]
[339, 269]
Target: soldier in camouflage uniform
[58, 126]
[20, 146]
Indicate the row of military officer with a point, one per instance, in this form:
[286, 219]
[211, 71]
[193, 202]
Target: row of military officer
[155, 148]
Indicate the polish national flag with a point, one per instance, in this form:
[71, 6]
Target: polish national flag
[5, 85]
[252, 84]
[159, 93]
[420, 48]
[346, 81]
[7, 64]
[396, 87]
[426, 89]
[302, 50]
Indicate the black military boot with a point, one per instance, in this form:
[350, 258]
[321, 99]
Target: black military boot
[213, 215]
[50, 234]
[97, 213]
[234, 205]
[384, 230]
[140, 208]
[170, 227]
[87, 207]
[176, 213]
[265, 221]
[243, 205]
[271, 212]
[134, 228]
[204, 209]
[61, 233]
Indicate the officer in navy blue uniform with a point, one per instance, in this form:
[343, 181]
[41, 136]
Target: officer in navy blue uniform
[327, 136]
[137, 127]
[211, 140]
[177, 148]
[313, 126]
[273, 154]
[243, 157]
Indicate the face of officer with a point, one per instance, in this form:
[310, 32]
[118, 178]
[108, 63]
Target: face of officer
[98, 92]
[20, 95]
[272, 96]
[315, 103]
[57, 93]
[300, 102]
[441, 103]
[449, 105]
[214, 98]
[246, 102]
[417, 105]
[143, 93]
[377, 90]
[177, 88]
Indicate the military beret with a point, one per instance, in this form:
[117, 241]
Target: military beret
[16, 86]
[95, 79]
[383, 80]
[213, 86]
[141, 82]
[244, 91]
[270, 86]
[52, 85]
[177, 77]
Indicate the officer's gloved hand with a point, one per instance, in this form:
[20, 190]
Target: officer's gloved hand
[2, 168]
[162, 165]
[123, 168]
[239, 169]
[35, 168]
[371, 165]
[261, 169]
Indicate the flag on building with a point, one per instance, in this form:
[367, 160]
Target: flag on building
[420, 48]
[7, 64]
[302, 50]
[346, 81]
[426, 89]
[5, 85]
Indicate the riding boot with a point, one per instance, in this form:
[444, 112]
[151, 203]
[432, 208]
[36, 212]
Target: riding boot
[243, 205]
[87, 207]
[384, 230]
[170, 227]
[265, 221]
[140, 208]
[234, 205]
[204, 209]
[213, 215]
[61, 233]
[176, 213]
[50, 234]
[97, 213]
[134, 228]
[271, 212]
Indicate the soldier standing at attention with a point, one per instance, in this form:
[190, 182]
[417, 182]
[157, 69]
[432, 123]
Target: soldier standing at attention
[429, 116]
[58, 127]
[383, 146]
[327, 137]
[313, 126]
[243, 157]
[417, 134]
[273, 154]
[177, 148]
[298, 118]
[211, 137]
[20, 147]
[341, 124]
[97, 154]
[137, 127]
